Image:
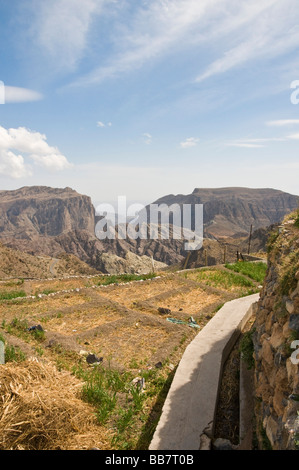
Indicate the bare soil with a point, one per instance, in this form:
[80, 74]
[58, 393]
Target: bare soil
[122, 324]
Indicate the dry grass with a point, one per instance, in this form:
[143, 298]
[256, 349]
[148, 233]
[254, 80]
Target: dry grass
[136, 343]
[40, 410]
[41, 406]
[81, 320]
[141, 291]
[191, 302]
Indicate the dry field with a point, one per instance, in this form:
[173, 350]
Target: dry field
[137, 330]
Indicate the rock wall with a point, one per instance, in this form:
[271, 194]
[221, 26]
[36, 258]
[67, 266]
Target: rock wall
[275, 341]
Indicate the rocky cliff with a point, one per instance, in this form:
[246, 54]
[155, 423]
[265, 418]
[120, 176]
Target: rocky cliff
[42, 211]
[229, 212]
[275, 340]
[47, 221]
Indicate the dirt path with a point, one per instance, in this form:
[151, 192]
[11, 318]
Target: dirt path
[52, 266]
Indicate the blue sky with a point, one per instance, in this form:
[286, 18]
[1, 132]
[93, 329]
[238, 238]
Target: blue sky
[149, 97]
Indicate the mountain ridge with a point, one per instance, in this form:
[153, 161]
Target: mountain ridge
[45, 220]
[230, 211]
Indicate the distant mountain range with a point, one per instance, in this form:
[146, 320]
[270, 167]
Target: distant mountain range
[46, 221]
[230, 212]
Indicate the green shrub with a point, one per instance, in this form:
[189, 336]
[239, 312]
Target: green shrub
[288, 281]
[247, 349]
[12, 295]
[115, 279]
[223, 279]
[271, 240]
[296, 223]
[14, 354]
[256, 271]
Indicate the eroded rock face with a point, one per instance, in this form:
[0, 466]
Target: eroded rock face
[47, 221]
[276, 351]
[229, 212]
[42, 211]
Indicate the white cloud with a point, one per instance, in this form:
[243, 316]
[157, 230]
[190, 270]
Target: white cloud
[102, 124]
[150, 30]
[243, 31]
[254, 143]
[294, 136]
[270, 31]
[34, 145]
[20, 95]
[245, 145]
[286, 123]
[147, 138]
[190, 142]
[283, 122]
[52, 161]
[13, 165]
[61, 27]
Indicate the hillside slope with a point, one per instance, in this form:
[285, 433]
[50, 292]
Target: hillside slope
[18, 264]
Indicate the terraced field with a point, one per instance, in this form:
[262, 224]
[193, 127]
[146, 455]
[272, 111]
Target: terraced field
[121, 341]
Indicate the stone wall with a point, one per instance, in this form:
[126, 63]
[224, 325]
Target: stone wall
[276, 346]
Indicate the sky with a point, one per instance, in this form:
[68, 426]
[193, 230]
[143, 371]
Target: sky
[144, 98]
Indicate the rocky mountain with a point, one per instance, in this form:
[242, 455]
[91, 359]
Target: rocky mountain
[46, 221]
[229, 212]
[49, 222]
[36, 211]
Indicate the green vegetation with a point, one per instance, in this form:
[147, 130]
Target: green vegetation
[20, 328]
[272, 240]
[127, 407]
[218, 307]
[12, 354]
[296, 222]
[119, 401]
[45, 292]
[116, 279]
[288, 281]
[266, 444]
[247, 349]
[256, 271]
[226, 280]
[12, 295]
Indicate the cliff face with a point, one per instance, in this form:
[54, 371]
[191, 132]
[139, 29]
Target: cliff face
[42, 220]
[229, 212]
[46, 221]
[39, 210]
[276, 345]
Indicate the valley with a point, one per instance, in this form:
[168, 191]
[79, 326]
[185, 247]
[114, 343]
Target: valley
[94, 330]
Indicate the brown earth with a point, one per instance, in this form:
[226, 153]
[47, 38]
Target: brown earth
[121, 324]
[18, 264]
